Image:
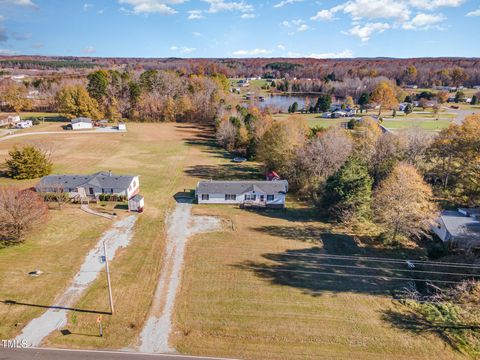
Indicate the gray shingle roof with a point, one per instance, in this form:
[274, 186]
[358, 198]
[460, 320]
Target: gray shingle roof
[101, 179]
[461, 227]
[81, 120]
[241, 187]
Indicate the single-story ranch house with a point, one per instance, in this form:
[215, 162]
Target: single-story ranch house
[91, 185]
[257, 193]
[459, 227]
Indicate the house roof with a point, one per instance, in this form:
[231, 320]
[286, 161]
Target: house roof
[241, 187]
[461, 227]
[81, 120]
[101, 179]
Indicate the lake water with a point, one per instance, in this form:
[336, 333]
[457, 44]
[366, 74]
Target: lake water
[282, 102]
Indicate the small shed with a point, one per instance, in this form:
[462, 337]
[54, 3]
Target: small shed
[136, 203]
[122, 126]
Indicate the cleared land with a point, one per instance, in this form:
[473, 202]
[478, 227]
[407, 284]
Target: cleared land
[159, 154]
[238, 297]
[421, 121]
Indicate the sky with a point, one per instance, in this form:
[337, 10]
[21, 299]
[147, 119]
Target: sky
[241, 28]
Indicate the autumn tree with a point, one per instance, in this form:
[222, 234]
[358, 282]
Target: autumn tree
[15, 97]
[75, 101]
[384, 95]
[403, 203]
[28, 163]
[20, 211]
[442, 97]
[276, 148]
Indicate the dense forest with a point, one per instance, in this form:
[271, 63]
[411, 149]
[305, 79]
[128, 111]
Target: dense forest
[429, 71]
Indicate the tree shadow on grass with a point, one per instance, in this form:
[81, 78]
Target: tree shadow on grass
[225, 172]
[453, 333]
[333, 264]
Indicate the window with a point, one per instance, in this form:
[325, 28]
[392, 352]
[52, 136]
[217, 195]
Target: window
[111, 191]
[270, 197]
[250, 197]
[230, 197]
[205, 197]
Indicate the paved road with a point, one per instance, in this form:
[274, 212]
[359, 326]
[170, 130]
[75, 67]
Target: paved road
[57, 354]
[65, 132]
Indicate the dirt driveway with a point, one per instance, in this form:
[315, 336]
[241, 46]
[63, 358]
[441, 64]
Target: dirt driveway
[181, 226]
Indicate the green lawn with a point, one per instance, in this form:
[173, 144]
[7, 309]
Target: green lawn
[430, 125]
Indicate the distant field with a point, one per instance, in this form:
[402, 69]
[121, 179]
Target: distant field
[401, 122]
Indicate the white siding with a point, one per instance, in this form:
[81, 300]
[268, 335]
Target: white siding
[279, 199]
[81, 126]
[441, 230]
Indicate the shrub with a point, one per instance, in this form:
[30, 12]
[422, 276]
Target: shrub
[28, 163]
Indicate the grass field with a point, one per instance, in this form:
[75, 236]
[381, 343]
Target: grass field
[401, 122]
[159, 154]
[238, 297]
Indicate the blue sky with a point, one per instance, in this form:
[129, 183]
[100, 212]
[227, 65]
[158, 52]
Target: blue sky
[240, 28]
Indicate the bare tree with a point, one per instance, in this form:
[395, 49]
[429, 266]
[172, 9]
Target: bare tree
[20, 211]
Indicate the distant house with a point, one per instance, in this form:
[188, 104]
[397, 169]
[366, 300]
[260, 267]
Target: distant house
[81, 123]
[91, 185]
[10, 120]
[24, 124]
[136, 203]
[458, 227]
[257, 193]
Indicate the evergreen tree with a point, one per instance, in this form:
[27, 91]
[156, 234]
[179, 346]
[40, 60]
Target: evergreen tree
[28, 163]
[348, 192]
[363, 100]
[323, 103]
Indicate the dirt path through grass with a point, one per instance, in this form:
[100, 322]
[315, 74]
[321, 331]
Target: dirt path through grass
[181, 225]
[117, 237]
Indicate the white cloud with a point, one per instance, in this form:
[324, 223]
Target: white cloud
[38, 45]
[474, 13]
[254, 52]
[151, 6]
[340, 55]
[183, 49]
[298, 24]
[25, 3]
[196, 34]
[87, 6]
[286, 2]
[195, 15]
[364, 32]
[248, 16]
[222, 5]
[434, 4]
[323, 15]
[89, 50]
[281, 47]
[2, 17]
[375, 9]
[423, 21]
[8, 52]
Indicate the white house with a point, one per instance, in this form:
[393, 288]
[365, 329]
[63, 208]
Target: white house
[81, 123]
[460, 226]
[258, 193]
[91, 185]
[10, 120]
[122, 127]
[24, 124]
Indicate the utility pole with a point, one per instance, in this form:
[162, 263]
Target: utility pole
[108, 278]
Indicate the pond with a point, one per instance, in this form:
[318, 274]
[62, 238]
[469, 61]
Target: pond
[281, 103]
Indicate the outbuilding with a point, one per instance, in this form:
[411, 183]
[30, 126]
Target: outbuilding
[122, 126]
[136, 203]
[81, 123]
